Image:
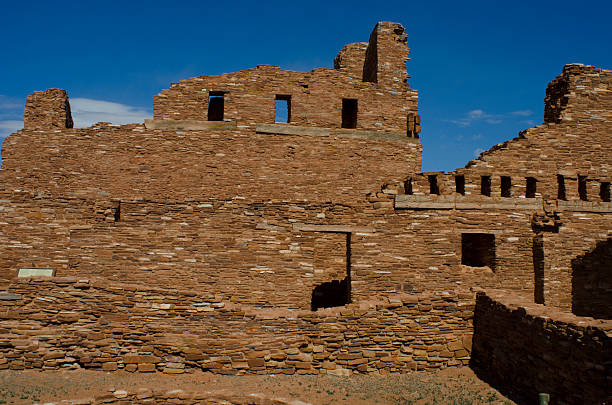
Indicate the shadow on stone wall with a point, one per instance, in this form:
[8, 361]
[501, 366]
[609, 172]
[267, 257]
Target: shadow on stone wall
[335, 293]
[592, 282]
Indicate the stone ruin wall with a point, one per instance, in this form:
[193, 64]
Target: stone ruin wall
[94, 323]
[231, 213]
[524, 349]
[380, 87]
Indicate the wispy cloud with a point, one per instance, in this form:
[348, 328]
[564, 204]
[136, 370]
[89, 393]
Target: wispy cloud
[522, 113]
[483, 116]
[87, 111]
[478, 151]
[7, 127]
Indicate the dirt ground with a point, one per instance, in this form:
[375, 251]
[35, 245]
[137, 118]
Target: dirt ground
[456, 386]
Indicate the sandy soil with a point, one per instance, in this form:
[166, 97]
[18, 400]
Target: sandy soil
[451, 386]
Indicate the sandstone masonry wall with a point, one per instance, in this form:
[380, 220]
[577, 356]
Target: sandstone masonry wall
[47, 109]
[383, 102]
[69, 322]
[524, 349]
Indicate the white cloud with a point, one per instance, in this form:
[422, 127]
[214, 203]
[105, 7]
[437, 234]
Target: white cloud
[493, 119]
[86, 112]
[522, 113]
[7, 127]
[478, 151]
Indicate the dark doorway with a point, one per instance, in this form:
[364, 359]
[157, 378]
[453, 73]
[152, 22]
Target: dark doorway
[485, 185]
[537, 250]
[592, 282]
[349, 113]
[531, 189]
[335, 293]
[216, 105]
[506, 186]
[582, 188]
[460, 184]
[561, 194]
[478, 250]
[433, 184]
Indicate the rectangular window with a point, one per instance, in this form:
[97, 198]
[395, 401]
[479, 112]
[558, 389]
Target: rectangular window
[485, 185]
[478, 250]
[349, 113]
[460, 184]
[433, 184]
[582, 188]
[506, 186]
[531, 188]
[216, 105]
[408, 186]
[604, 191]
[561, 194]
[282, 109]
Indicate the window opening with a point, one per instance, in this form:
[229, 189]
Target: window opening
[460, 184]
[349, 113]
[478, 250]
[282, 109]
[216, 105]
[408, 186]
[506, 186]
[485, 185]
[433, 184]
[604, 191]
[530, 190]
[561, 194]
[582, 188]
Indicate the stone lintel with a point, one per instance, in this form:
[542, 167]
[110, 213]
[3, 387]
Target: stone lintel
[448, 202]
[333, 228]
[374, 135]
[8, 296]
[584, 206]
[36, 273]
[190, 125]
[284, 129]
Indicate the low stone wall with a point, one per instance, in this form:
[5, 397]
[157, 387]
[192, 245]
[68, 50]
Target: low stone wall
[524, 349]
[70, 323]
[148, 396]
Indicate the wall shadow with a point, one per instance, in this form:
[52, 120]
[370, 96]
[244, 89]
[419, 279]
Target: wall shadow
[335, 293]
[592, 282]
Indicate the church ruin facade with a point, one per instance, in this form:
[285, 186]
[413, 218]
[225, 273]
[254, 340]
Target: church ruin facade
[269, 221]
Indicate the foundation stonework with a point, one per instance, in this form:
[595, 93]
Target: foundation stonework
[206, 237]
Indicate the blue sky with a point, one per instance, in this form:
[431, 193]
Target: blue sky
[481, 67]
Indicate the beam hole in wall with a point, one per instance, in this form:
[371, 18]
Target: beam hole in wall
[478, 250]
[485, 185]
[506, 186]
[216, 105]
[349, 113]
[433, 184]
[460, 184]
[561, 193]
[604, 191]
[582, 188]
[282, 110]
[531, 187]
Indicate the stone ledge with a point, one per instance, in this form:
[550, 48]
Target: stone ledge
[190, 125]
[450, 202]
[374, 135]
[332, 228]
[584, 206]
[281, 129]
